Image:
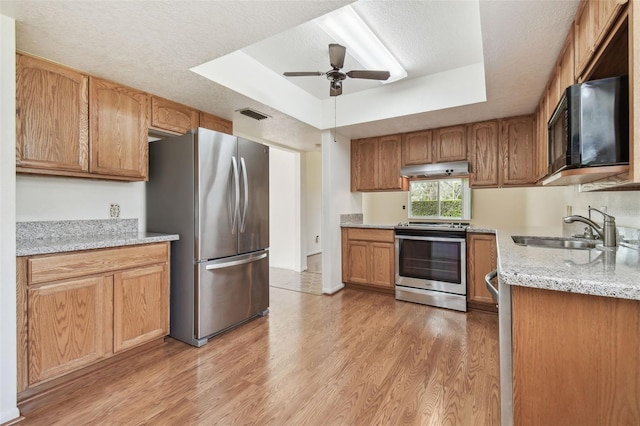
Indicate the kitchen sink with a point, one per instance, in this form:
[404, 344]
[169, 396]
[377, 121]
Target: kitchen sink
[554, 242]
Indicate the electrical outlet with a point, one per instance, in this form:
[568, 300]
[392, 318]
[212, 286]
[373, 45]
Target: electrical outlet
[114, 210]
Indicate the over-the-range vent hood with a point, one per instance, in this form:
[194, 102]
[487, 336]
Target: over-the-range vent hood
[438, 170]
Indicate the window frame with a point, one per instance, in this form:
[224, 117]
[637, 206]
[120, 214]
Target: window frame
[465, 194]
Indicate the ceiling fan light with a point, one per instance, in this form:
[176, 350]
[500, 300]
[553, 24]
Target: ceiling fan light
[347, 28]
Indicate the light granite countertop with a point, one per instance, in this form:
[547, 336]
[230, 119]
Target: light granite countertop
[64, 236]
[366, 225]
[600, 272]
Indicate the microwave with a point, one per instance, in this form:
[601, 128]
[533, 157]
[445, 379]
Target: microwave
[590, 125]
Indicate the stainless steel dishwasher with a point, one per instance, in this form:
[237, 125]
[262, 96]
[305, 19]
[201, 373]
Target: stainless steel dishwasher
[502, 296]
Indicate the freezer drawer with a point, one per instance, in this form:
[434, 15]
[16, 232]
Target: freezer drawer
[230, 291]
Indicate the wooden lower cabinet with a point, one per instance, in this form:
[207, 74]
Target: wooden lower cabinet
[575, 359]
[140, 306]
[482, 258]
[70, 325]
[73, 321]
[368, 258]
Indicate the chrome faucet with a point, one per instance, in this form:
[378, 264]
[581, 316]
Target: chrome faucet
[607, 232]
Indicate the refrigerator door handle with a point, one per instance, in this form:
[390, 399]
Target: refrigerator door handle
[243, 222]
[236, 262]
[236, 179]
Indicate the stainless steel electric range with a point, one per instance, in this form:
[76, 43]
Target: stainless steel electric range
[431, 264]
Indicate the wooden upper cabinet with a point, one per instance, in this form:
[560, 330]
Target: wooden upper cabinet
[364, 164]
[209, 121]
[517, 149]
[585, 34]
[484, 155]
[592, 24]
[118, 130]
[52, 112]
[541, 141]
[172, 116]
[376, 163]
[607, 13]
[563, 74]
[389, 162]
[566, 67]
[450, 144]
[417, 148]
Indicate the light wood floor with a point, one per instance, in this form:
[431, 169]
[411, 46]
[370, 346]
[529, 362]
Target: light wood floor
[354, 358]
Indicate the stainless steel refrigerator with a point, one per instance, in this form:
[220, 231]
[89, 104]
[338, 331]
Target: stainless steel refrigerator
[212, 189]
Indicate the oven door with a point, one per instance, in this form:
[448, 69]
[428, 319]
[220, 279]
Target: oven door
[432, 263]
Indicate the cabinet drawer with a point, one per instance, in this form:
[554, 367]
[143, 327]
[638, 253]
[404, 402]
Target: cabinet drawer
[54, 267]
[368, 234]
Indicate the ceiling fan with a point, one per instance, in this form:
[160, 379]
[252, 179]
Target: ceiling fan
[335, 75]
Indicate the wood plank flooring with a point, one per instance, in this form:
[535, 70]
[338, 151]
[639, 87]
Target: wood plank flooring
[354, 358]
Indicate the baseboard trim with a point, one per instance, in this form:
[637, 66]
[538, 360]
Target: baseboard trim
[332, 290]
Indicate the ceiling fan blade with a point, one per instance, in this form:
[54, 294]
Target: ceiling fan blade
[302, 74]
[336, 55]
[370, 75]
[335, 91]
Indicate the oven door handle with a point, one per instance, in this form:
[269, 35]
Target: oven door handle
[487, 281]
[409, 237]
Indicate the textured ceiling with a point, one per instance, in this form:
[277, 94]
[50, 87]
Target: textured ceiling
[151, 45]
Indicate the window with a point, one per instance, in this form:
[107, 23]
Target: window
[440, 199]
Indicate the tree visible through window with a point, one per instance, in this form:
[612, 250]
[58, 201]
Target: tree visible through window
[438, 199]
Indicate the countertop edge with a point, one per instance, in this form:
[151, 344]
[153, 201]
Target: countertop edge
[45, 246]
[362, 225]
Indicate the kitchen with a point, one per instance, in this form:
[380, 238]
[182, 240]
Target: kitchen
[514, 202]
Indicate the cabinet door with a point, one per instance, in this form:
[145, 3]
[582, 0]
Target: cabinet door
[52, 111]
[482, 259]
[389, 162]
[358, 262]
[542, 141]
[140, 306]
[69, 326]
[118, 130]
[218, 124]
[566, 67]
[574, 358]
[451, 144]
[364, 164]
[585, 29]
[172, 116]
[382, 264]
[417, 148]
[607, 12]
[485, 149]
[517, 164]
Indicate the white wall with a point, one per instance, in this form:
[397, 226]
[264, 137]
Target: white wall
[385, 208]
[312, 202]
[284, 209]
[491, 208]
[624, 205]
[8, 363]
[337, 199]
[519, 207]
[56, 198]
